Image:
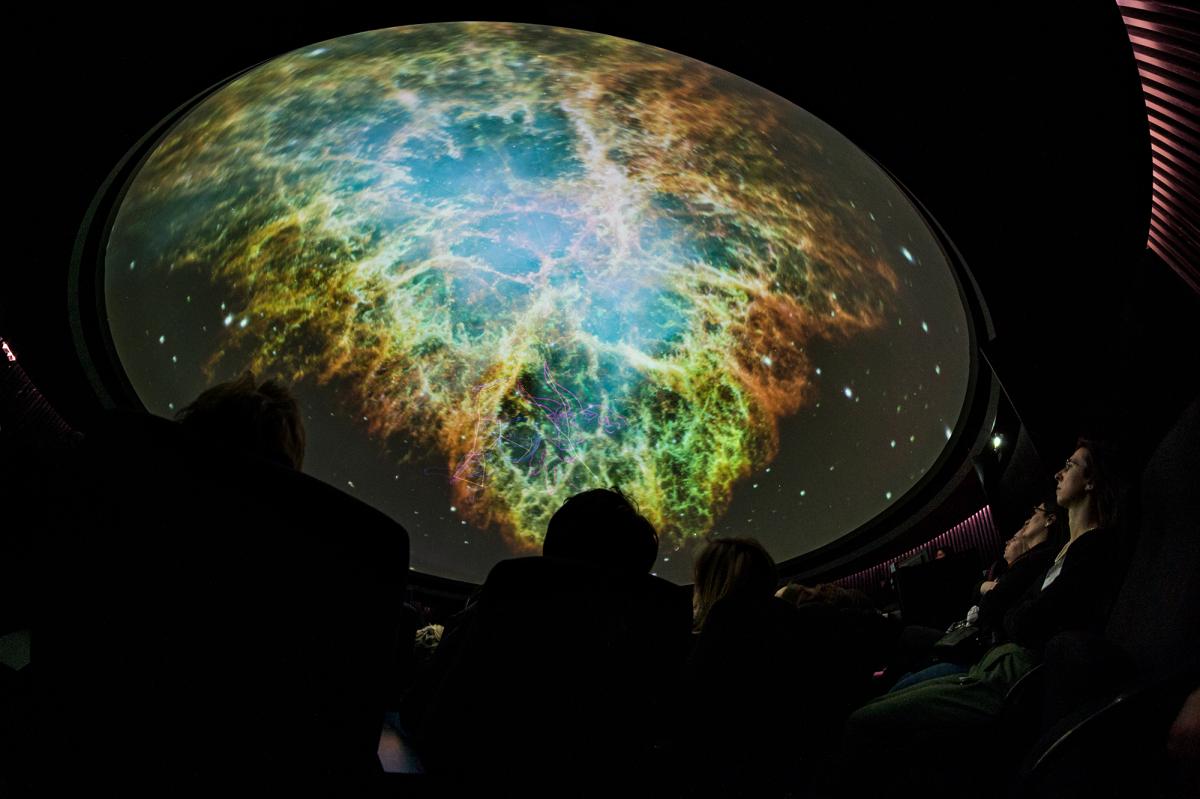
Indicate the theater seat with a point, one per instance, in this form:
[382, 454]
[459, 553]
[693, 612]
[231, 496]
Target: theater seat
[216, 620]
[555, 676]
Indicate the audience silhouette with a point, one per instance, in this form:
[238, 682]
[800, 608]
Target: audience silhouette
[229, 616]
[262, 419]
[549, 673]
[552, 673]
[602, 526]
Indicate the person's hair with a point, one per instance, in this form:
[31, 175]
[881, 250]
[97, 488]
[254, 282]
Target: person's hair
[731, 567]
[796, 594]
[1104, 470]
[602, 526]
[260, 418]
[830, 594]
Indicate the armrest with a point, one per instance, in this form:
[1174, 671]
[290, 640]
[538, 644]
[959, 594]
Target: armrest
[1122, 741]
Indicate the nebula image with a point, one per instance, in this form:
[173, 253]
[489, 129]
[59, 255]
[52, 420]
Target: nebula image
[527, 261]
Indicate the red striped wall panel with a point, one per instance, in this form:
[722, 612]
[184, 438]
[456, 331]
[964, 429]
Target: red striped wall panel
[1166, 46]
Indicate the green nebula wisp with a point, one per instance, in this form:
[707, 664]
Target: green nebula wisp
[561, 260]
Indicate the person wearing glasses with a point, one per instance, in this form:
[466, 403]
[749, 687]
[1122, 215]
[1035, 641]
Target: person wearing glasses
[1078, 590]
[1027, 556]
[930, 737]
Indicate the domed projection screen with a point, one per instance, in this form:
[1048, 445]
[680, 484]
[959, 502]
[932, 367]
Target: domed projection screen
[500, 264]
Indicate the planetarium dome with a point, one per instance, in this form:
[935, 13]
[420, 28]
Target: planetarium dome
[500, 264]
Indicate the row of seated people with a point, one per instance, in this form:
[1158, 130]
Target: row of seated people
[575, 668]
[584, 657]
[924, 652]
[1064, 585]
[773, 693]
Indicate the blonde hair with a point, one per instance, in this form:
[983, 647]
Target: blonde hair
[730, 567]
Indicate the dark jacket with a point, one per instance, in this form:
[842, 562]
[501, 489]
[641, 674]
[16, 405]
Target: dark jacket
[1011, 587]
[1080, 598]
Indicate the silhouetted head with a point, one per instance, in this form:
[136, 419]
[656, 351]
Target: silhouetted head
[603, 527]
[262, 419]
[731, 567]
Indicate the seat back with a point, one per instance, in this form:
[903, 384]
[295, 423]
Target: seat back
[1157, 611]
[555, 672]
[222, 615]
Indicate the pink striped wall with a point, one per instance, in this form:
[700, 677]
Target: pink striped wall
[977, 531]
[1166, 46]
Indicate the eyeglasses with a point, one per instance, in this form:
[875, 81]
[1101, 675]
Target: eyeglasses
[1067, 466]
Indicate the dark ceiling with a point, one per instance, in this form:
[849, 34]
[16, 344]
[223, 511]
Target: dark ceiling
[1023, 133]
